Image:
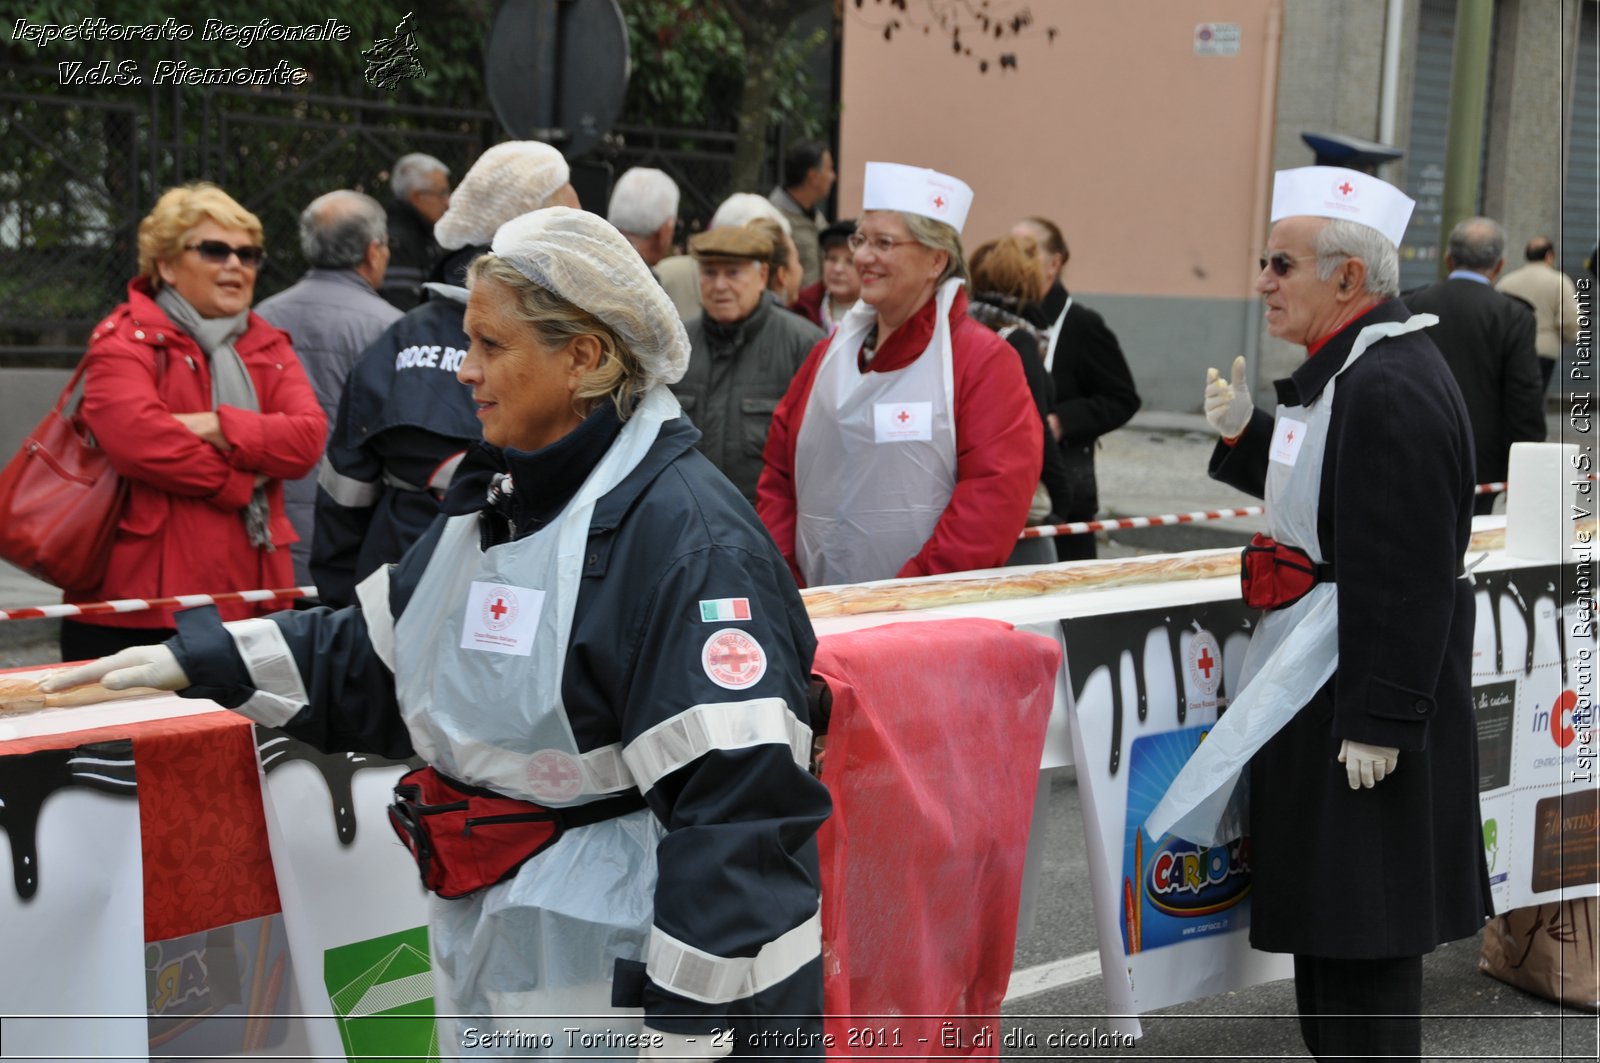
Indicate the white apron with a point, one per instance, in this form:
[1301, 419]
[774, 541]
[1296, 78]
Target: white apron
[1294, 650]
[479, 653]
[875, 460]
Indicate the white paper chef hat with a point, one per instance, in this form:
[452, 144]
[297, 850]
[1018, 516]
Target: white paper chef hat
[1334, 192]
[891, 186]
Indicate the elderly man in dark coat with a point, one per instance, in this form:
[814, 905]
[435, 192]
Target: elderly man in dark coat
[744, 351]
[1364, 818]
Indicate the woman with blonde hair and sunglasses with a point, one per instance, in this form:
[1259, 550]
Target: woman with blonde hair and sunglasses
[204, 410]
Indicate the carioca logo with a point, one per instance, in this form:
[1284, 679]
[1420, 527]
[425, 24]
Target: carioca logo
[1561, 731]
[1186, 879]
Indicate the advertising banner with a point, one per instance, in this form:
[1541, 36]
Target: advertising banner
[72, 916]
[1173, 917]
[354, 907]
[1533, 659]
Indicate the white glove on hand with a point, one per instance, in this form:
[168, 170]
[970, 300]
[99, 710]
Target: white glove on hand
[1228, 405]
[695, 1048]
[1367, 765]
[137, 666]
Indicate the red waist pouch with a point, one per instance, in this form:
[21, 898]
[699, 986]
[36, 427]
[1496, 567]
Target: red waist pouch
[465, 838]
[1273, 574]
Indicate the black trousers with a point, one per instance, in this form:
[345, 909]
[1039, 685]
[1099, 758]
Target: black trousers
[1355, 1009]
[85, 642]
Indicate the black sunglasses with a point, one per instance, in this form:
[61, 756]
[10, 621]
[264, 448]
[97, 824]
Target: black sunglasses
[216, 252]
[1281, 262]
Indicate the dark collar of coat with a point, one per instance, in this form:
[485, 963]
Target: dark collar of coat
[1306, 383]
[1043, 314]
[545, 480]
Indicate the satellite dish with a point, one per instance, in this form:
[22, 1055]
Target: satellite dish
[557, 70]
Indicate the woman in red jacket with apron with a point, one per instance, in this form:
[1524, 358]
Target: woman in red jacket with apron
[908, 443]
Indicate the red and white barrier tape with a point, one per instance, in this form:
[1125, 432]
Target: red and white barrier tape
[139, 605]
[1085, 527]
[1046, 531]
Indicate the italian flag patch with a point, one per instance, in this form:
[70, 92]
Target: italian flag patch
[712, 612]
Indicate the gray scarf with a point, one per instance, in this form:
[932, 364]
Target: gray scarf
[230, 384]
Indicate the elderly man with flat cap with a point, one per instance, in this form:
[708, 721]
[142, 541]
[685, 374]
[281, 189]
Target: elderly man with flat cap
[744, 352]
[404, 422]
[1363, 787]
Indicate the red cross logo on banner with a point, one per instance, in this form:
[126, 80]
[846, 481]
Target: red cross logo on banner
[1289, 436]
[732, 659]
[554, 775]
[499, 608]
[902, 417]
[1204, 661]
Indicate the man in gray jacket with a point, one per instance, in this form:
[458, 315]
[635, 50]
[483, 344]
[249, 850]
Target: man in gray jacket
[331, 314]
[743, 352]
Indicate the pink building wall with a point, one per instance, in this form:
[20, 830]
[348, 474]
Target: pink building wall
[1154, 160]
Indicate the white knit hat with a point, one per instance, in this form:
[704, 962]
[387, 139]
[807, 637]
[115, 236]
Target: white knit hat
[582, 258]
[507, 180]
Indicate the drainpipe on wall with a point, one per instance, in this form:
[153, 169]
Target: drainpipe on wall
[1469, 85]
[1389, 93]
[1266, 123]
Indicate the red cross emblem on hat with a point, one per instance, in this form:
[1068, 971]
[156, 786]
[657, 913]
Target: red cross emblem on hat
[1345, 189]
[938, 202]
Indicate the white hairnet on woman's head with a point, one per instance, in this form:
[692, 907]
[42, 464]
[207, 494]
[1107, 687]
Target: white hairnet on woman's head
[507, 180]
[584, 259]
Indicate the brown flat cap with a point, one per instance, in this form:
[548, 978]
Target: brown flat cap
[730, 241]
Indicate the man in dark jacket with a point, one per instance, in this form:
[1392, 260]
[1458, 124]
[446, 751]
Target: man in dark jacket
[1366, 836]
[331, 314]
[744, 352]
[421, 186]
[1094, 391]
[405, 422]
[1489, 341]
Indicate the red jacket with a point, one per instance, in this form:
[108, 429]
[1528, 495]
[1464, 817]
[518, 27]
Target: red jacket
[999, 446]
[808, 304]
[183, 531]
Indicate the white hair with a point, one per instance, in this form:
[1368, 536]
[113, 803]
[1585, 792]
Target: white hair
[411, 173]
[742, 206]
[642, 201]
[1341, 238]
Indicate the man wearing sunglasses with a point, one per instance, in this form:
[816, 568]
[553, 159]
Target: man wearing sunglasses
[1363, 799]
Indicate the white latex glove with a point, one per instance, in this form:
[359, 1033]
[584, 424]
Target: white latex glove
[137, 666]
[1228, 405]
[695, 1048]
[1367, 765]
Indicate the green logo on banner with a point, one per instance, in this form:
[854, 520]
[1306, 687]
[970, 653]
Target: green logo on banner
[382, 993]
[1491, 842]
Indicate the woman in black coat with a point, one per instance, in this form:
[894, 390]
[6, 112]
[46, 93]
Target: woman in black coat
[1004, 282]
[1094, 392]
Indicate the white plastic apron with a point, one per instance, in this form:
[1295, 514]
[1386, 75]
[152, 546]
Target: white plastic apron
[864, 507]
[1294, 650]
[544, 942]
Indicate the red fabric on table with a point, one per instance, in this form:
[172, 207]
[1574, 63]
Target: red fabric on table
[202, 827]
[933, 761]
